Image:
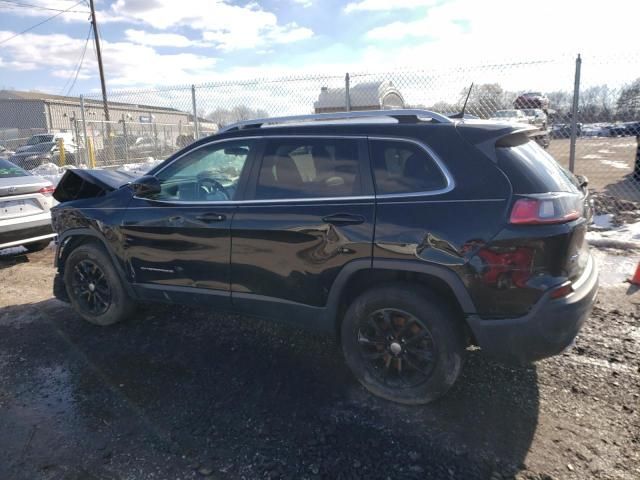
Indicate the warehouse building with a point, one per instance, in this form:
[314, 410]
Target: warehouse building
[23, 114]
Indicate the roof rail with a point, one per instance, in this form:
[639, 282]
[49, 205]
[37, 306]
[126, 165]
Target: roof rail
[403, 116]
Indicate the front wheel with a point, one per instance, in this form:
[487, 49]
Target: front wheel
[403, 344]
[94, 287]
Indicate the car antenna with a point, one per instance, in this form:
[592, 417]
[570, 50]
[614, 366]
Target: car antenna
[464, 106]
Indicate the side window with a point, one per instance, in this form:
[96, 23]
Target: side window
[404, 167]
[210, 173]
[309, 167]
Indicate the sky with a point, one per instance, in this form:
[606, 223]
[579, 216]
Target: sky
[156, 43]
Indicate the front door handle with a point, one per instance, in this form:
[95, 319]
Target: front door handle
[211, 217]
[343, 219]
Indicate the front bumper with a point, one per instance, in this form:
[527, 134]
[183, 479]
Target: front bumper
[22, 230]
[547, 330]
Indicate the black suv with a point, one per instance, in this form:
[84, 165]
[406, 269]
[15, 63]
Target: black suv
[406, 234]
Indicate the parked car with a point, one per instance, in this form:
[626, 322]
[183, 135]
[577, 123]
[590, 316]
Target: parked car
[69, 144]
[623, 129]
[5, 153]
[536, 116]
[532, 100]
[404, 242]
[39, 154]
[512, 116]
[25, 204]
[563, 130]
[136, 148]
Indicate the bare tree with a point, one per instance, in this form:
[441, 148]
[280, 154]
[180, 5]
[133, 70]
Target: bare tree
[223, 116]
[628, 105]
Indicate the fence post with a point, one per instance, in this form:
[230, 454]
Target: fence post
[62, 159]
[574, 115]
[84, 130]
[196, 124]
[126, 140]
[347, 93]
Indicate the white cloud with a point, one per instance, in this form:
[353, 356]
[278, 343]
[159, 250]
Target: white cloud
[386, 5]
[126, 63]
[304, 3]
[230, 26]
[142, 37]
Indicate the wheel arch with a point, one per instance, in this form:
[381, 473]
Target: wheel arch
[360, 275]
[71, 239]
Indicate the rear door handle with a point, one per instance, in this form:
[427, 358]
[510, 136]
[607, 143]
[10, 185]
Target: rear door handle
[343, 219]
[211, 217]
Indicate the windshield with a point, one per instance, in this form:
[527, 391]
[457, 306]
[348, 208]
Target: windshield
[36, 139]
[9, 170]
[532, 170]
[506, 113]
[42, 147]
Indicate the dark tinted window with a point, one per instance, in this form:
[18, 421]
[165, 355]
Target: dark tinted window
[532, 170]
[309, 167]
[8, 170]
[403, 167]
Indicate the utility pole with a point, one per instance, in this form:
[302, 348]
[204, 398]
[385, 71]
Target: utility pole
[96, 37]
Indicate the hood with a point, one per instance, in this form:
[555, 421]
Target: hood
[76, 184]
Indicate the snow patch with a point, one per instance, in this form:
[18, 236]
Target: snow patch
[615, 164]
[625, 237]
[603, 222]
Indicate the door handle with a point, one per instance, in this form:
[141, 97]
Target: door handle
[343, 219]
[211, 217]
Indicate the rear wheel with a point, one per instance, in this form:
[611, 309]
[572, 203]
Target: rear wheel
[37, 246]
[403, 344]
[94, 287]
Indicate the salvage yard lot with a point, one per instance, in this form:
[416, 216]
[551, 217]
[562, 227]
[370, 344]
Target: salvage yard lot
[185, 393]
[607, 162]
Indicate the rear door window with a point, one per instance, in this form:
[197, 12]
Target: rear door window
[404, 167]
[532, 170]
[309, 168]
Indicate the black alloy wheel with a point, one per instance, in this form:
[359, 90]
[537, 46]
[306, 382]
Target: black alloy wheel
[398, 348]
[90, 288]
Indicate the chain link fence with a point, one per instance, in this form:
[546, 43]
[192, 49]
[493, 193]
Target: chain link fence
[587, 111]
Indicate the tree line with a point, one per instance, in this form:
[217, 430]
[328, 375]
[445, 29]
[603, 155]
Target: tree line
[598, 103]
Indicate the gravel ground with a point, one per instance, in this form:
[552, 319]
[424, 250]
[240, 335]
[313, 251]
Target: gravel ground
[181, 393]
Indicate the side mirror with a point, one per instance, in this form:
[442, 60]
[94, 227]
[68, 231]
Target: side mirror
[583, 181]
[145, 186]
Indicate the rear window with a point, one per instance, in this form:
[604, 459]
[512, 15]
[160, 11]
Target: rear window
[403, 167]
[532, 170]
[9, 170]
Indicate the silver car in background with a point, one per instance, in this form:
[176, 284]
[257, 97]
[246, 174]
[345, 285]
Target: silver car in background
[25, 208]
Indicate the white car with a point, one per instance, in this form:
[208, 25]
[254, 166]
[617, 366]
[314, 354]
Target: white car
[510, 116]
[25, 208]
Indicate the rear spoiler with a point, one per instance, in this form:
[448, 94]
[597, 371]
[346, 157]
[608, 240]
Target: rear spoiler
[76, 184]
[486, 136]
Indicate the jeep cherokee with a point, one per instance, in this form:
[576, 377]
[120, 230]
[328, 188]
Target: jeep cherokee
[408, 235]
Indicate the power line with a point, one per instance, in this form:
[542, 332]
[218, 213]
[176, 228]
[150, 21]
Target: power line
[79, 65]
[40, 23]
[13, 4]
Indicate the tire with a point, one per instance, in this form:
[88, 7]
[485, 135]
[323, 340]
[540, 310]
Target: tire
[431, 328]
[37, 246]
[107, 302]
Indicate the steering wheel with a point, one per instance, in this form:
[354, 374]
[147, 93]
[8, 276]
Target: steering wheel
[210, 185]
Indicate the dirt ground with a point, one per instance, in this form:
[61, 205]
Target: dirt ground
[607, 162]
[181, 393]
